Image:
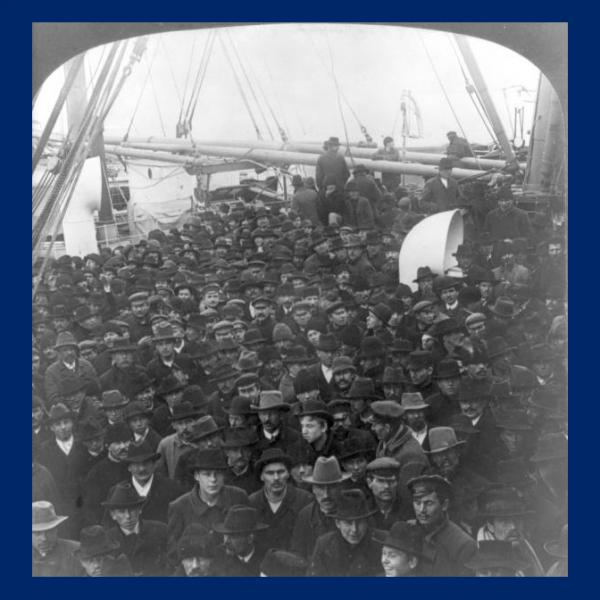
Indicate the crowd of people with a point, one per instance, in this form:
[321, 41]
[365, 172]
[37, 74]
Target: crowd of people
[256, 394]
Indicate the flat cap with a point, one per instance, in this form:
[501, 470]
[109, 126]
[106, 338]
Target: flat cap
[387, 409]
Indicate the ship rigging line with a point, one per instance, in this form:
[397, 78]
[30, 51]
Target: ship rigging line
[241, 90]
[185, 85]
[442, 86]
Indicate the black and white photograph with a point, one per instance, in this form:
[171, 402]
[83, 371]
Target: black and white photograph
[299, 299]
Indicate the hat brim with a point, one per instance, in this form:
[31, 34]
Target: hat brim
[283, 406]
[112, 546]
[221, 528]
[458, 443]
[317, 413]
[286, 460]
[381, 537]
[123, 349]
[50, 525]
[145, 458]
[201, 436]
[310, 479]
[354, 517]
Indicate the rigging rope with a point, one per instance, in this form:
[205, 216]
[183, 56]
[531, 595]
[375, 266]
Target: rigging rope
[194, 100]
[185, 86]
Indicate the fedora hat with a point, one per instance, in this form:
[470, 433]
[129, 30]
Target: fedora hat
[447, 368]
[559, 548]
[65, 339]
[138, 453]
[441, 439]
[240, 406]
[122, 345]
[501, 501]
[59, 411]
[387, 410]
[273, 455]
[112, 399]
[239, 437]
[363, 388]
[420, 359]
[413, 401]
[169, 385]
[271, 400]
[94, 541]
[209, 459]
[282, 563]
[328, 343]
[504, 307]
[44, 517]
[326, 471]
[423, 273]
[184, 410]
[240, 519]
[297, 355]
[204, 427]
[403, 536]
[495, 554]
[248, 361]
[137, 409]
[352, 504]
[123, 495]
[315, 408]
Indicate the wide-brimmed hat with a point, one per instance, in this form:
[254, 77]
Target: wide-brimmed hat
[559, 548]
[169, 385]
[423, 273]
[59, 411]
[441, 439]
[240, 519]
[273, 455]
[94, 541]
[447, 368]
[113, 399]
[420, 359]
[413, 401]
[363, 388]
[494, 554]
[326, 471]
[240, 406]
[248, 361]
[44, 517]
[282, 563]
[137, 409]
[184, 410]
[64, 339]
[123, 495]
[271, 400]
[315, 408]
[209, 459]
[403, 536]
[351, 505]
[122, 345]
[239, 437]
[297, 355]
[504, 307]
[501, 501]
[328, 343]
[204, 427]
[138, 453]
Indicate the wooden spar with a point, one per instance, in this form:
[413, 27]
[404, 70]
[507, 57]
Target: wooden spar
[163, 152]
[427, 158]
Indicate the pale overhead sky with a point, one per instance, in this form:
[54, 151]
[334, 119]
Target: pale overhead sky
[291, 64]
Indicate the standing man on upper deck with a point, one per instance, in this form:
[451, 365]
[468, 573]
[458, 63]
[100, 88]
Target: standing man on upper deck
[332, 163]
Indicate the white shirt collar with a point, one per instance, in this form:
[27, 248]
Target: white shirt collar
[142, 490]
[420, 436]
[452, 306]
[65, 446]
[270, 436]
[141, 437]
[476, 420]
[327, 372]
[444, 181]
[135, 530]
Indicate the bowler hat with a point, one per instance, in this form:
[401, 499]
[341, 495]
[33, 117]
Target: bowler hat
[351, 505]
[315, 408]
[445, 163]
[137, 409]
[169, 385]
[363, 388]
[371, 347]
[253, 336]
[382, 312]
[413, 401]
[326, 471]
[44, 517]
[423, 273]
[90, 429]
[209, 459]
[273, 455]
[444, 283]
[118, 433]
[297, 355]
[282, 563]
[441, 439]
[123, 495]
[495, 554]
[353, 446]
[420, 359]
[328, 343]
[138, 453]
[184, 410]
[272, 400]
[94, 541]
[240, 519]
[407, 537]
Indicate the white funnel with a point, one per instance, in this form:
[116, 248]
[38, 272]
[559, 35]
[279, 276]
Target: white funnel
[430, 243]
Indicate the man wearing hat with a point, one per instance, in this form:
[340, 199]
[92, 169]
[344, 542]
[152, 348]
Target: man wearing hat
[196, 553]
[510, 271]
[420, 368]
[401, 549]
[445, 546]
[239, 446]
[447, 289]
[123, 370]
[362, 209]
[383, 481]
[320, 261]
[304, 203]
[278, 502]
[143, 541]
[73, 395]
[65, 458]
[344, 373]
[395, 439]
[107, 472]
[416, 416]
[322, 371]
[167, 361]
[443, 404]
[458, 147]
[342, 427]
[272, 431]
[156, 490]
[67, 364]
[97, 554]
[358, 263]
[138, 417]
[240, 554]
[139, 320]
[51, 556]
[281, 563]
[331, 164]
[349, 550]
[507, 221]
[208, 502]
[441, 192]
[327, 481]
[92, 435]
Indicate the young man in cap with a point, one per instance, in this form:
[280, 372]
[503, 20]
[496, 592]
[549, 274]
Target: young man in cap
[143, 541]
[139, 320]
[278, 501]
[401, 550]
[349, 550]
[239, 555]
[314, 520]
[51, 556]
[383, 481]
[446, 546]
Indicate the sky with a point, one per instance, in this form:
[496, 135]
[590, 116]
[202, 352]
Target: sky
[291, 64]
